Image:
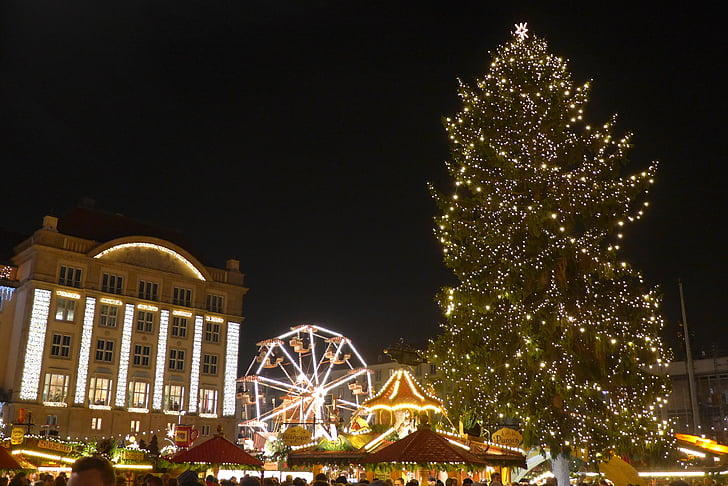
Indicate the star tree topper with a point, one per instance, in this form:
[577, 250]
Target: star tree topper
[522, 30]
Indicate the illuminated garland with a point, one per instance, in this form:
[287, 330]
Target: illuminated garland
[195, 366]
[231, 369]
[161, 360]
[547, 327]
[124, 352]
[84, 350]
[35, 346]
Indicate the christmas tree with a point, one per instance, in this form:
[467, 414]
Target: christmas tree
[547, 328]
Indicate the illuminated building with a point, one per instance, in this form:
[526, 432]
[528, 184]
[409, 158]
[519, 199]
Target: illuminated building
[105, 334]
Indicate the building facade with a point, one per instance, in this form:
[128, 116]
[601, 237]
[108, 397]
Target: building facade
[711, 391]
[130, 336]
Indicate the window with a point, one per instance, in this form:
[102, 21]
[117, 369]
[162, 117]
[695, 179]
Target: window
[138, 394]
[112, 284]
[51, 420]
[433, 369]
[214, 303]
[108, 315]
[69, 276]
[96, 423]
[173, 395]
[212, 332]
[104, 350]
[204, 430]
[209, 364]
[181, 296]
[142, 355]
[208, 400]
[55, 388]
[135, 426]
[99, 391]
[65, 309]
[378, 375]
[179, 326]
[145, 321]
[176, 359]
[61, 345]
[148, 290]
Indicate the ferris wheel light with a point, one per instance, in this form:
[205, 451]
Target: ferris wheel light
[306, 364]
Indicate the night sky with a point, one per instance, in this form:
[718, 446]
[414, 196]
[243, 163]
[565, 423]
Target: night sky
[298, 137]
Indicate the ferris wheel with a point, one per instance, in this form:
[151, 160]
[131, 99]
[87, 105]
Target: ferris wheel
[300, 378]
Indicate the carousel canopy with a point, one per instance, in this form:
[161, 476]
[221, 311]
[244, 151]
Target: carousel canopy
[217, 450]
[425, 447]
[402, 391]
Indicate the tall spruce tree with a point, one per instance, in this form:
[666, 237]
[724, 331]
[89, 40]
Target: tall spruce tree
[547, 327]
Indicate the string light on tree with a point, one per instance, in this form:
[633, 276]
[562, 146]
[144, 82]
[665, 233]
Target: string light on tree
[547, 326]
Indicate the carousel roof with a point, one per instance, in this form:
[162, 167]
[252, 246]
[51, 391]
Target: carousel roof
[402, 391]
[424, 447]
[217, 450]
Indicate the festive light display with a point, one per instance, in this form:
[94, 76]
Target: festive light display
[547, 327]
[159, 248]
[84, 350]
[195, 367]
[34, 347]
[124, 352]
[161, 360]
[231, 369]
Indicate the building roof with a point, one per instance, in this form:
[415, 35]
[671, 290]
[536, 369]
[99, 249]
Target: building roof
[94, 224]
[403, 391]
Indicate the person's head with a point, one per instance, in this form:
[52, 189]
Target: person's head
[495, 476]
[467, 481]
[431, 481]
[399, 482]
[154, 481]
[92, 471]
[249, 481]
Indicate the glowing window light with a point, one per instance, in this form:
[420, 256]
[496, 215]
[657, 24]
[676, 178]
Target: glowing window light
[182, 313]
[195, 369]
[161, 355]
[152, 246]
[84, 350]
[36, 342]
[231, 369]
[147, 307]
[214, 319]
[124, 355]
[68, 295]
[106, 300]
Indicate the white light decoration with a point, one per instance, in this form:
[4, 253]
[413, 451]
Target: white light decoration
[160, 248]
[182, 313]
[161, 358]
[147, 307]
[68, 295]
[522, 30]
[84, 350]
[124, 351]
[106, 300]
[34, 347]
[214, 319]
[195, 367]
[231, 369]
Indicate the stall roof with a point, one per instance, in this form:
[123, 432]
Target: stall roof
[217, 450]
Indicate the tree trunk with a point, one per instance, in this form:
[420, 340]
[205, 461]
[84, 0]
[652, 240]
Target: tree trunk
[560, 468]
